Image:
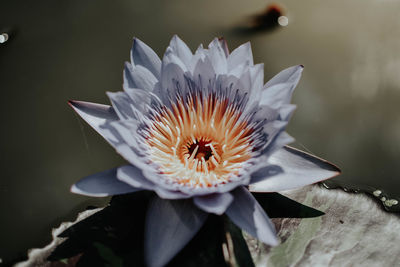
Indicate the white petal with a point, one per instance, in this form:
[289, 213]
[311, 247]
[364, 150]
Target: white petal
[277, 95]
[142, 54]
[298, 169]
[214, 203]
[96, 115]
[257, 81]
[181, 50]
[170, 194]
[127, 131]
[204, 73]
[102, 184]
[281, 139]
[200, 54]
[286, 111]
[217, 57]
[246, 213]
[172, 79]
[290, 75]
[133, 176]
[171, 57]
[170, 225]
[241, 56]
[138, 77]
[132, 156]
[224, 46]
[141, 100]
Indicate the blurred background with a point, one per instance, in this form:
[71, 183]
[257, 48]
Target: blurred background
[348, 99]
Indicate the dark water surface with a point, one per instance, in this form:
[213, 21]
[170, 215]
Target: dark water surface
[348, 99]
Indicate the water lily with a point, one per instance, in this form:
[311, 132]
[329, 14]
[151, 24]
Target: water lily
[200, 130]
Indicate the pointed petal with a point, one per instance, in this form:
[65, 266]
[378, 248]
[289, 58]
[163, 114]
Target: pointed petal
[122, 105]
[204, 73]
[214, 203]
[246, 213]
[277, 95]
[257, 81]
[298, 169]
[145, 176]
[102, 184]
[181, 50]
[223, 43]
[217, 57]
[96, 115]
[138, 77]
[241, 55]
[171, 57]
[170, 225]
[133, 176]
[290, 75]
[172, 79]
[142, 54]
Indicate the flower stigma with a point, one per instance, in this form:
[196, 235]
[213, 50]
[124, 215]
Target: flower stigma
[201, 142]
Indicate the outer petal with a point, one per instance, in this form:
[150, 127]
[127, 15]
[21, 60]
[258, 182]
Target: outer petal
[214, 203]
[123, 105]
[131, 104]
[170, 225]
[246, 213]
[138, 77]
[224, 46]
[217, 57]
[298, 169]
[133, 176]
[181, 50]
[277, 95]
[96, 115]
[142, 54]
[172, 79]
[289, 75]
[102, 184]
[241, 56]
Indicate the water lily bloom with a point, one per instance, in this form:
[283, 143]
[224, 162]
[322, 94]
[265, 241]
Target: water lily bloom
[200, 130]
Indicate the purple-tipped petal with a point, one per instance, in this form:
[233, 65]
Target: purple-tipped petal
[96, 115]
[214, 203]
[298, 169]
[133, 176]
[142, 54]
[223, 43]
[246, 213]
[102, 184]
[170, 225]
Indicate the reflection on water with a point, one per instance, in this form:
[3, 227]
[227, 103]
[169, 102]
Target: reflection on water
[347, 101]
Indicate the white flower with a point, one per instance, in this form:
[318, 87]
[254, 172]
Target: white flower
[202, 126]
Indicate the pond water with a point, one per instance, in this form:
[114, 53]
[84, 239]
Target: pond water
[348, 99]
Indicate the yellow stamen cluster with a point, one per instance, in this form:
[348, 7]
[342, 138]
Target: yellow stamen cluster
[201, 142]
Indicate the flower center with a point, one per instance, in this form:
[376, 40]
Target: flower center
[200, 149]
[200, 142]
